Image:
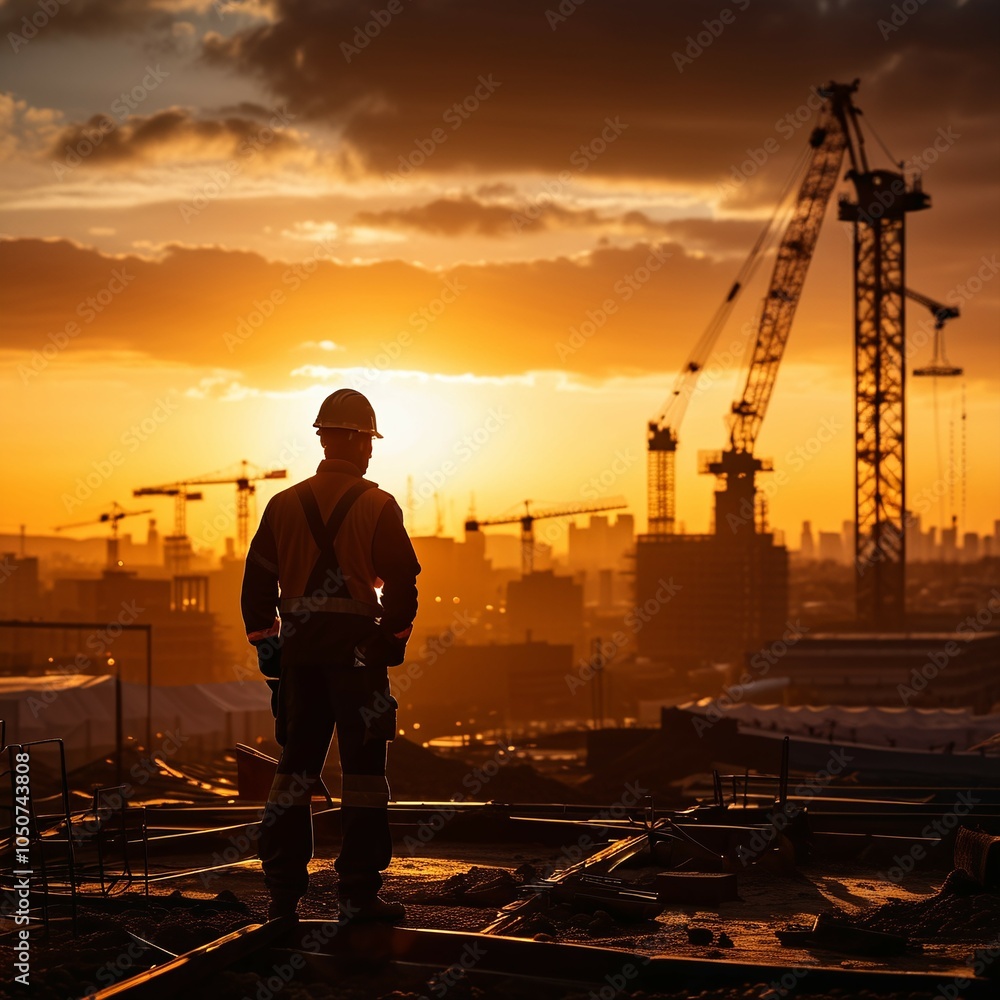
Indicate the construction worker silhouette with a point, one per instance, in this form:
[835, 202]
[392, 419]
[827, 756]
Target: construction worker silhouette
[325, 642]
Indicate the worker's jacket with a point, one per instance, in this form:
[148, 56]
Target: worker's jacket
[336, 598]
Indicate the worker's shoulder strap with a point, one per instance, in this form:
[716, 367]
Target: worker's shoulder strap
[324, 534]
[326, 573]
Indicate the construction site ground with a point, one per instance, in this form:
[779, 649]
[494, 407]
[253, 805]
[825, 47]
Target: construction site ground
[434, 882]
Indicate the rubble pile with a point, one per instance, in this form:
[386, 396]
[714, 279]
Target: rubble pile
[961, 910]
[479, 886]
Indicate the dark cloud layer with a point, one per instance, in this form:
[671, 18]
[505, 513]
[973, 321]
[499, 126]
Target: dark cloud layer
[28, 19]
[464, 216]
[500, 318]
[728, 86]
[174, 133]
[616, 310]
[468, 216]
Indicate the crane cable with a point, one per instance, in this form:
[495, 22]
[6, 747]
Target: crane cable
[885, 148]
[748, 269]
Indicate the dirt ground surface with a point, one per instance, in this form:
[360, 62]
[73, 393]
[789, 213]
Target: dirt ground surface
[944, 918]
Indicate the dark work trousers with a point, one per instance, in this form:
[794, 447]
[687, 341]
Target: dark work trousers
[314, 699]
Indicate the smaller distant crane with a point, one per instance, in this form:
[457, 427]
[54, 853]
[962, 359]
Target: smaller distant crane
[527, 522]
[940, 365]
[111, 516]
[181, 496]
[244, 481]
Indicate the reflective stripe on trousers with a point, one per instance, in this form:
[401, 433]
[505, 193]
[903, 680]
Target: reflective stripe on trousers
[368, 791]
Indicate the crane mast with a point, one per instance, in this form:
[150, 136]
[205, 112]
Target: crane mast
[879, 218]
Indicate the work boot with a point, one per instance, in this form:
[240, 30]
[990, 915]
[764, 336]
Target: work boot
[374, 910]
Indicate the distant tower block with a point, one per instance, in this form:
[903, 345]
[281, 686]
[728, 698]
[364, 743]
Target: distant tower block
[808, 547]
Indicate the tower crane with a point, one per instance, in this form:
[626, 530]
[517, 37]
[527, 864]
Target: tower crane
[181, 496]
[244, 481]
[736, 466]
[662, 437]
[940, 365]
[883, 198]
[111, 516]
[527, 522]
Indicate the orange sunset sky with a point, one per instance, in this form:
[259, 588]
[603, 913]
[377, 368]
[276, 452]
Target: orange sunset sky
[506, 222]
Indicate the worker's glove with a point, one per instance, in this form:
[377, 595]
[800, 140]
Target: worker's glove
[268, 647]
[269, 657]
[382, 648]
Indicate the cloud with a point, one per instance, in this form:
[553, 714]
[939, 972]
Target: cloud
[625, 310]
[465, 216]
[30, 20]
[230, 310]
[691, 91]
[174, 135]
[468, 216]
[23, 128]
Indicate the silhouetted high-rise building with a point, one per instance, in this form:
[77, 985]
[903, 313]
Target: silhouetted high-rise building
[807, 550]
[831, 547]
[970, 547]
[949, 544]
[602, 546]
[19, 591]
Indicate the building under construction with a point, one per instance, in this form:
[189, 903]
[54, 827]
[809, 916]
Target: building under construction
[730, 595]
